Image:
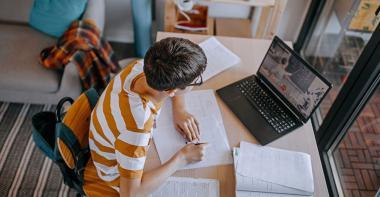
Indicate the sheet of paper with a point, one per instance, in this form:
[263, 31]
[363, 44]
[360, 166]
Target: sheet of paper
[186, 187]
[219, 58]
[263, 194]
[282, 167]
[245, 183]
[202, 104]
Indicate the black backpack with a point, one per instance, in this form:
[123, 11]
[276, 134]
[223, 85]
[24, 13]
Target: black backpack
[63, 136]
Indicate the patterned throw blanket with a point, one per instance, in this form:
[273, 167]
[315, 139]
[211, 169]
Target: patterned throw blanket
[82, 44]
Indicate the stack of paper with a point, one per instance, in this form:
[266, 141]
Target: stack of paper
[219, 58]
[265, 171]
[202, 104]
[185, 187]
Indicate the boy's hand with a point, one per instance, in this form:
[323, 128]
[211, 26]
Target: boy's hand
[191, 153]
[186, 125]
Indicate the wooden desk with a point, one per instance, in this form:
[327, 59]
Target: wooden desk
[251, 52]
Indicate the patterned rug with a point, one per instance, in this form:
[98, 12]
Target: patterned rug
[24, 170]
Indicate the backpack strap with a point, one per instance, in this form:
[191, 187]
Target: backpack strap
[58, 110]
[66, 135]
[81, 155]
[92, 96]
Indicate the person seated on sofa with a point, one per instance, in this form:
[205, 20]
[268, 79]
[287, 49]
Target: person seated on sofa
[123, 120]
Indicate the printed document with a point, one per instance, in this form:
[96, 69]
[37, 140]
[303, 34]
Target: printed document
[286, 171]
[219, 57]
[202, 104]
[251, 187]
[186, 187]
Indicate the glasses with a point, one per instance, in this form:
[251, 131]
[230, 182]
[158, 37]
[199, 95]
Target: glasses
[197, 82]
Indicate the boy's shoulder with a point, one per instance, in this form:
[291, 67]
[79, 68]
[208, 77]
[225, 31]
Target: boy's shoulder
[130, 72]
[129, 64]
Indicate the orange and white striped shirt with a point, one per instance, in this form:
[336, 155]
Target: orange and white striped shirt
[121, 128]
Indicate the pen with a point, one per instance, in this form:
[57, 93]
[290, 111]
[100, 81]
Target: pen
[196, 143]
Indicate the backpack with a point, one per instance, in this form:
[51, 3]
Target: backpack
[63, 136]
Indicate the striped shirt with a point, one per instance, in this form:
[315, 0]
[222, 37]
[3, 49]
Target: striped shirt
[121, 128]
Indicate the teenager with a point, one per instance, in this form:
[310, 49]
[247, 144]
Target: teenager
[124, 118]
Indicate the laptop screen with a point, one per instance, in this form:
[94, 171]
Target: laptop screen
[293, 78]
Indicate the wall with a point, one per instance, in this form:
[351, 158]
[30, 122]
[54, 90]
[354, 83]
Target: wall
[292, 20]
[119, 25]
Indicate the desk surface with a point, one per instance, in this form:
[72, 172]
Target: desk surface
[251, 52]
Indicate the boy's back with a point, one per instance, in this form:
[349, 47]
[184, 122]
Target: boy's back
[121, 127]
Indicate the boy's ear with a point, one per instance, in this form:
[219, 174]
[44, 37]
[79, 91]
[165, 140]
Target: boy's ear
[171, 92]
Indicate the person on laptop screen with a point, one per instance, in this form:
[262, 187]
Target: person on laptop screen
[295, 81]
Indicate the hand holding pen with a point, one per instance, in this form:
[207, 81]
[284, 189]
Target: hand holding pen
[193, 152]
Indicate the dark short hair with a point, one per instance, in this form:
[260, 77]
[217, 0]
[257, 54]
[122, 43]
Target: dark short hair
[173, 63]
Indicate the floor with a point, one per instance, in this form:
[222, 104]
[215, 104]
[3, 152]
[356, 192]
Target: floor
[358, 155]
[24, 169]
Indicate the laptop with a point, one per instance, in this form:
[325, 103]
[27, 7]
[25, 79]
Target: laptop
[281, 97]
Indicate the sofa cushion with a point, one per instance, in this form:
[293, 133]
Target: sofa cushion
[19, 68]
[15, 10]
[55, 16]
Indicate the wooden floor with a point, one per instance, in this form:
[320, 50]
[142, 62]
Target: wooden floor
[358, 155]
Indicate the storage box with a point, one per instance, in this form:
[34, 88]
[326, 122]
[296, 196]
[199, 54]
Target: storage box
[172, 15]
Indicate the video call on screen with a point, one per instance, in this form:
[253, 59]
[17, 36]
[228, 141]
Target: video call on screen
[299, 85]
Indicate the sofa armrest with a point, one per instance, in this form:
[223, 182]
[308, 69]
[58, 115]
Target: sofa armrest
[95, 10]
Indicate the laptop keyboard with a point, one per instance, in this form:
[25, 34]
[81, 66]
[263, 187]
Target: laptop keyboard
[268, 108]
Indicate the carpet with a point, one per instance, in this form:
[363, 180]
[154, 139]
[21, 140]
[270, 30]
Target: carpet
[24, 169]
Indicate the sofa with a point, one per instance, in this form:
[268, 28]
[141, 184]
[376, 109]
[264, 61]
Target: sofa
[22, 78]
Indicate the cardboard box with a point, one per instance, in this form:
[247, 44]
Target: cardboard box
[233, 27]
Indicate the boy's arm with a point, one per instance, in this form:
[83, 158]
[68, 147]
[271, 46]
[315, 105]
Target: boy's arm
[151, 180]
[185, 123]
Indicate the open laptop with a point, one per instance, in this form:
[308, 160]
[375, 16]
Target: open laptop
[280, 98]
